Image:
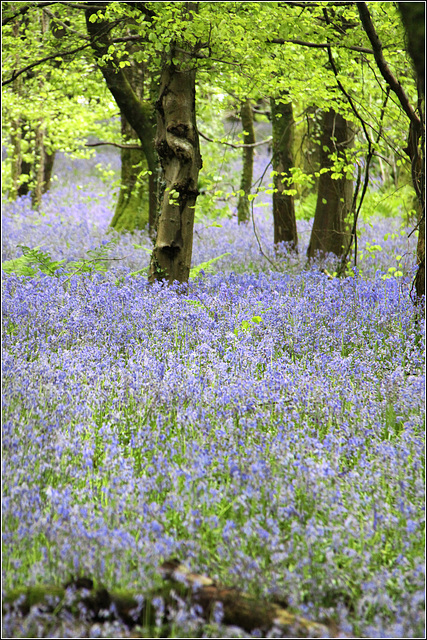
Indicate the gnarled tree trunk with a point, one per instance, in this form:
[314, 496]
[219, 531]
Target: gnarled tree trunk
[330, 232]
[178, 148]
[285, 227]
[248, 161]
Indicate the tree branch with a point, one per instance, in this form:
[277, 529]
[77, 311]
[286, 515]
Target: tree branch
[137, 112]
[237, 146]
[64, 24]
[385, 70]
[62, 54]
[316, 45]
[202, 135]
[74, 5]
[24, 10]
[58, 54]
[114, 144]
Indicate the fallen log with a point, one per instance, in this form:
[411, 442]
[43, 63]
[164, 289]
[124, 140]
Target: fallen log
[81, 598]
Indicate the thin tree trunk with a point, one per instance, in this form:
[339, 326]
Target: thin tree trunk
[34, 175]
[420, 282]
[413, 18]
[49, 160]
[285, 227]
[177, 144]
[39, 167]
[243, 209]
[330, 233]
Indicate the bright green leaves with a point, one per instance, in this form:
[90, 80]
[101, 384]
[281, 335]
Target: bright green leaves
[246, 325]
[34, 261]
[206, 266]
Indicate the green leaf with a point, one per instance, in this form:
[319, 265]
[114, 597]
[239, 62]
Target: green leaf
[205, 266]
[140, 272]
[20, 266]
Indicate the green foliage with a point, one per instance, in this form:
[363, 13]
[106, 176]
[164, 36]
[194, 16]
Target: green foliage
[236, 60]
[305, 207]
[31, 262]
[34, 261]
[390, 202]
[205, 267]
[64, 101]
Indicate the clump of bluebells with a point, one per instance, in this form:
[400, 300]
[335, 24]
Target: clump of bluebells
[266, 428]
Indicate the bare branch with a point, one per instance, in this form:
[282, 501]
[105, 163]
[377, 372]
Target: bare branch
[74, 5]
[135, 146]
[114, 144]
[237, 146]
[322, 45]
[199, 56]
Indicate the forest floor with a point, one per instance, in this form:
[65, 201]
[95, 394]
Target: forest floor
[265, 427]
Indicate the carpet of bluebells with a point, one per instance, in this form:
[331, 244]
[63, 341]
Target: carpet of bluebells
[265, 425]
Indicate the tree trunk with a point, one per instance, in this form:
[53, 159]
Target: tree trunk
[39, 167]
[31, 164]
[139, 113]
[30, 176]
[413, 18]
[49, 160]
[132, 206]
[420, 282]
[330, 233]
[285, 227]
[177, 144]
[243, 210]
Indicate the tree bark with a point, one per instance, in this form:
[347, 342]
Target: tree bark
[49, 160]
[246, 115]
[416, 137]
[177, 144]
[285, 227]
[413, 18]
[330, 232]
[139, 113]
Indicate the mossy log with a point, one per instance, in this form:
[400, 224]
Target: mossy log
[80, 597]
